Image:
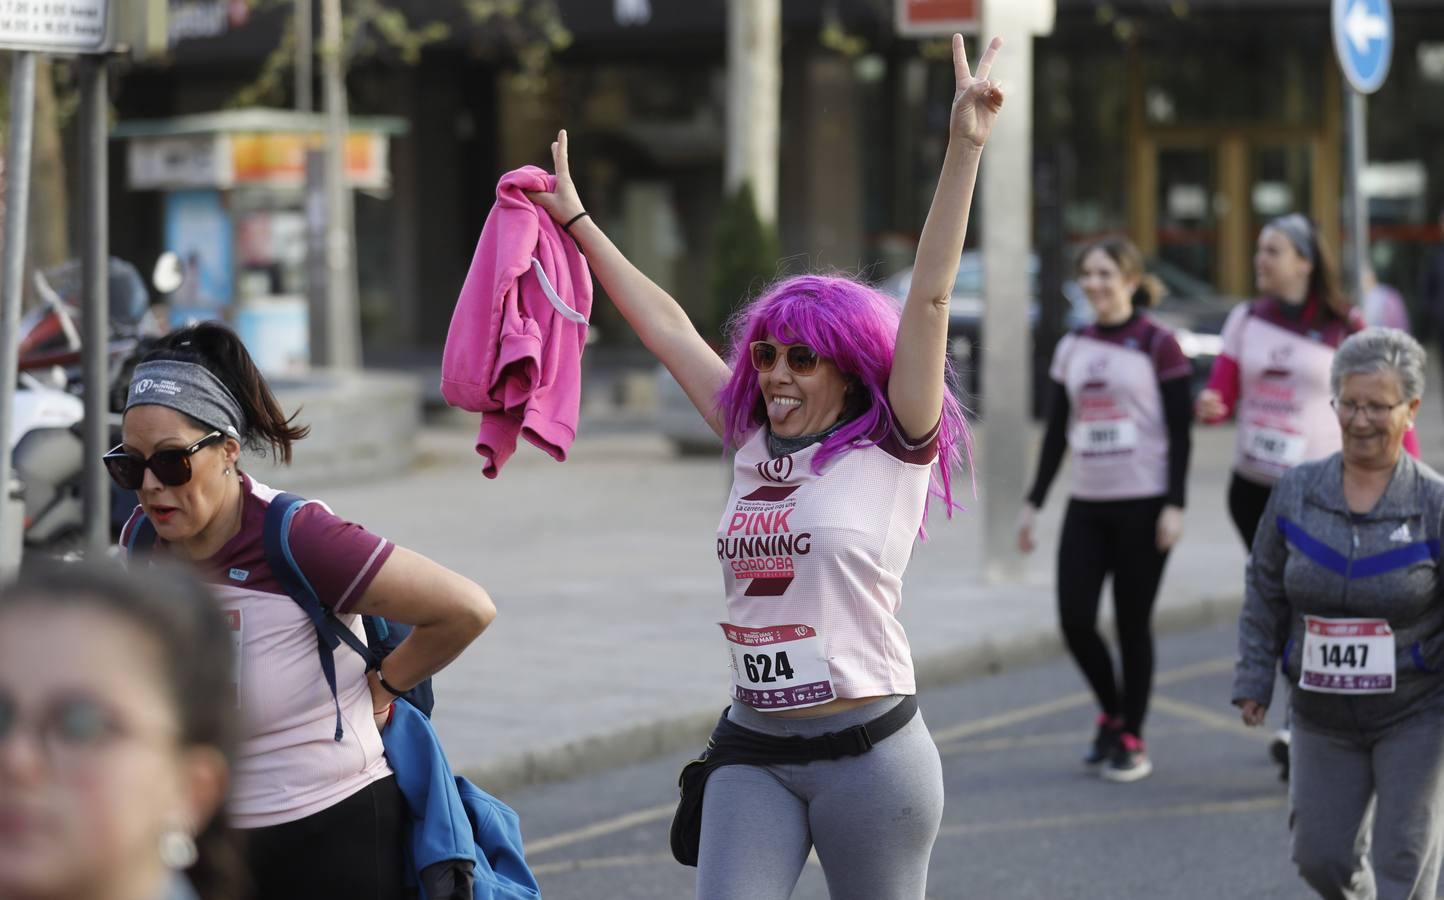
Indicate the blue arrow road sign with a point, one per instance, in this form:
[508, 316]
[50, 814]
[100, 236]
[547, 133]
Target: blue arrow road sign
[1363, 41]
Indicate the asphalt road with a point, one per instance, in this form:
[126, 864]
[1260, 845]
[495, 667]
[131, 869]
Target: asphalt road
[1023, 819]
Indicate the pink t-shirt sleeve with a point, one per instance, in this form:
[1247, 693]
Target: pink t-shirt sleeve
[339, 558]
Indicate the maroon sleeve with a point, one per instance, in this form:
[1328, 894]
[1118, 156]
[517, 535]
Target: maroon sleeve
[919, 452]
[1168, 359]
[339, 558]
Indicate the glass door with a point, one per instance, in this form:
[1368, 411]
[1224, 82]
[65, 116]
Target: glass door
[1185, 209]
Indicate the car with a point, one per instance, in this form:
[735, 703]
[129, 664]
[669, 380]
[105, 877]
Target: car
[1190, 307]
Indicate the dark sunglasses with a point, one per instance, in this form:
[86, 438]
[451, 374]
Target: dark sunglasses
[172, 467]
[801, 359]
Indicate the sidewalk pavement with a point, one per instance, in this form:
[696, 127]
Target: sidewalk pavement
[606, 649]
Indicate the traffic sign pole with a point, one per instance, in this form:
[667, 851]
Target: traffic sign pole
[17, 214]
[1364, 45]
[95, 275]
[1358, 202]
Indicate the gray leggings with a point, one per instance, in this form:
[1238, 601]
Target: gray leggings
[1384, 789]
[873, 818]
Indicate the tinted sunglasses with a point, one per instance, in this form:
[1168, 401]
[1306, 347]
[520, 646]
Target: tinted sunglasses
[171, 467]
[801, 359]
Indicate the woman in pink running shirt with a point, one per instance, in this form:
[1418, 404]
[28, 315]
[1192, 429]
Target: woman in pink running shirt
[1120, 403]
[838, 406]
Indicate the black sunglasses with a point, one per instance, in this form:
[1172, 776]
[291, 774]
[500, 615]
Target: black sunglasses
[172, 467]
[801, 359]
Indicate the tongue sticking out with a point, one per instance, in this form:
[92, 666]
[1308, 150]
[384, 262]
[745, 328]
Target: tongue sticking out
[779, 411]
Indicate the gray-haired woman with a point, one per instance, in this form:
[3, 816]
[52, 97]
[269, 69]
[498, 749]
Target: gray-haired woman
[1344, 584]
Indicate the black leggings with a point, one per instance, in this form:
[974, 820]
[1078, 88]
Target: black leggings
[350, 851]
[1118, 538]
[1246, 502]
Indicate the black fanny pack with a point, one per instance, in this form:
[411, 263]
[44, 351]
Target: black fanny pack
[733, 745]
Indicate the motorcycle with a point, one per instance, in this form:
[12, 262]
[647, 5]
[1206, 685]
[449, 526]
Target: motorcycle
[49, 445]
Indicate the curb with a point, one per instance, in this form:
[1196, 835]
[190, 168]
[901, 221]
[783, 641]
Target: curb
[689, 731]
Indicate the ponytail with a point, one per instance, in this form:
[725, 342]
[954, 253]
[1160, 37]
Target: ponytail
[220, 350]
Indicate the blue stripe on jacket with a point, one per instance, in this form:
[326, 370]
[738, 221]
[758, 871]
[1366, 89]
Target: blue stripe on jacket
[1364, 567]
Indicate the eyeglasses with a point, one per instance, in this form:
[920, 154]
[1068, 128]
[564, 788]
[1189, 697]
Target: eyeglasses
[801, 359]
[1374, 412]
[69, 728]
[172, 467]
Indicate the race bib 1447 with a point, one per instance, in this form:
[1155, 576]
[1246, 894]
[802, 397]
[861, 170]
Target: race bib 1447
[1347, 656]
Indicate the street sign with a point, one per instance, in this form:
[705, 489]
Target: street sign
[931, 18]
[55, 26]
[1363, 41]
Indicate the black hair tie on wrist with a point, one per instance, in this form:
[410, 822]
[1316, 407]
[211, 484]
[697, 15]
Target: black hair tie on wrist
[382, 679]
[574, 219]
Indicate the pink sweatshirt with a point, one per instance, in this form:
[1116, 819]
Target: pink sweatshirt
[514, 349]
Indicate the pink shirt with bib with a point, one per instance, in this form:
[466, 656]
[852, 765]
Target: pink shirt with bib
[1118, 434]
[812, 564]
[1280, 368]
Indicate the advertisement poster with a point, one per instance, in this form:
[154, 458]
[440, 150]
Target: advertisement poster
[198, 231]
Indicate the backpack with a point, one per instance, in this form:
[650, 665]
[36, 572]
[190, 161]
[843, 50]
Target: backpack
[382, 635]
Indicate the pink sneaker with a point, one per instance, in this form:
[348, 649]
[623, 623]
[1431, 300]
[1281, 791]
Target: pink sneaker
[1129, 761]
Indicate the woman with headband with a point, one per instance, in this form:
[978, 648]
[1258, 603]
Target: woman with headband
[322, 813]
[1273, 373]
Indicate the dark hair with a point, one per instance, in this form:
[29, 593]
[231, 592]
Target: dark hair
[1129, 259]
[193, 651]
[220, 350]
[1324, 281]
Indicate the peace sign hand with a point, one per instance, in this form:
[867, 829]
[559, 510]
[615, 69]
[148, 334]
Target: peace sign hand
[976, 99]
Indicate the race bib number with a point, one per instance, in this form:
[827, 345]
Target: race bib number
[1274, 446]
[782, 667]
[236, 628]
[1347, 656]
[1105, 437]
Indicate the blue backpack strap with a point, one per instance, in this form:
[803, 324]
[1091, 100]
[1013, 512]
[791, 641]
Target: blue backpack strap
[275, 538]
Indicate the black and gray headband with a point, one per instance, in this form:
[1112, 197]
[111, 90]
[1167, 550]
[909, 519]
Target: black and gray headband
[1298, 230]
[188, 388]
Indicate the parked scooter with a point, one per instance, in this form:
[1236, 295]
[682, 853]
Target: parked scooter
[49, 444]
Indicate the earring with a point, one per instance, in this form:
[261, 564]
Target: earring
[178, 849]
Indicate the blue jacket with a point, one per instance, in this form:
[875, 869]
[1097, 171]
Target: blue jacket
[464, 842]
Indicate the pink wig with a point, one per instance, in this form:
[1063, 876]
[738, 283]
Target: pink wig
[855, 326]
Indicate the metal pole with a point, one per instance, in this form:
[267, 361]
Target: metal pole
[95, 276]
[1358, 258]
[1005, 188]
[343, 345]
[305, 52]
[17, 214]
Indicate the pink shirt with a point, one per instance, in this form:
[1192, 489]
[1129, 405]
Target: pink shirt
[1274, 373]
[828, 551]
[1117, 432]
[514, 349]
[290, 766]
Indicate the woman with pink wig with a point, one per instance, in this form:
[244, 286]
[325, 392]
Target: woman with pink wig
[837, 404]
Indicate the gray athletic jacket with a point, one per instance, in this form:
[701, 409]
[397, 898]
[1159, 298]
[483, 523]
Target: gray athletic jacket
[1311, 556]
